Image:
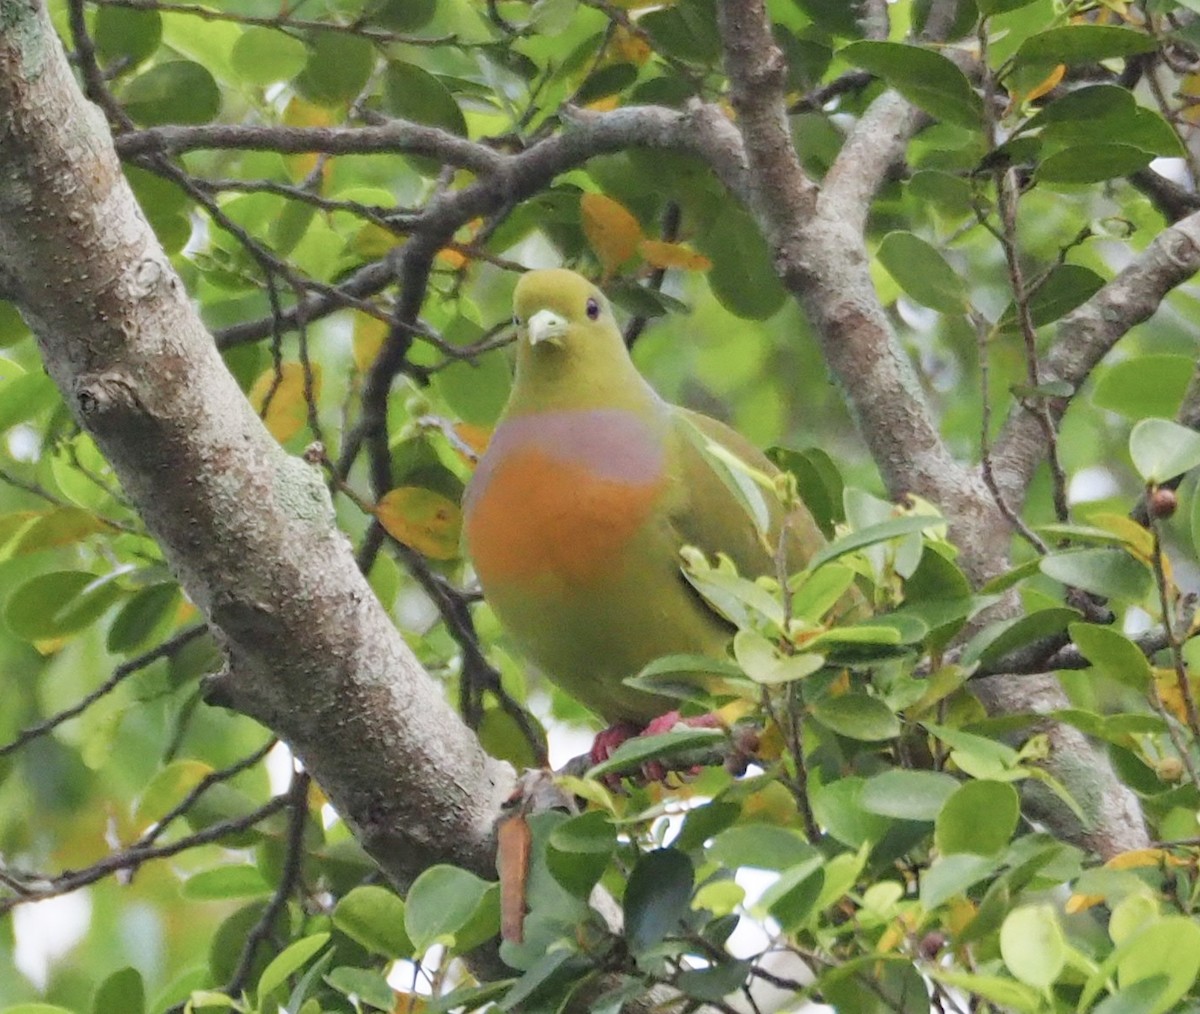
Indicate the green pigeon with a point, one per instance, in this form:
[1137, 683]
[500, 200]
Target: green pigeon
[591, 486]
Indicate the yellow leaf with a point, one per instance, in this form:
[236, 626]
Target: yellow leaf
[610, 228]
[1137, 858]
[628, 47]
[604, 104]
[422, 519]
[1167, 686]
[1137, 538]
[304, 114]
[673, 255]
[453, 259]
[369, 335]
[1082, 902]
[772, 804]
[1190, 86]
[1046, 85]
[287, 411]
[409, 1003]
[962, 913]
[475, 437]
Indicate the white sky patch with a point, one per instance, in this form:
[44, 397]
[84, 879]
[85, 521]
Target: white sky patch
[1093, 483]
[46, 931]
[280, 766]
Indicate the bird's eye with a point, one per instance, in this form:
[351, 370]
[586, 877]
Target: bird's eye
[593, 309]
[516, 320]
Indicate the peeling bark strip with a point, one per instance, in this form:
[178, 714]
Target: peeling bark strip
[248, 529]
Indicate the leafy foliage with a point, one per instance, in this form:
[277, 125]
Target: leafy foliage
[860, 804]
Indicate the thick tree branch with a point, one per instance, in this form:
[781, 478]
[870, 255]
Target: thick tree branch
[247, 528]
[1087, 334]
[394, 136]
[821, 256]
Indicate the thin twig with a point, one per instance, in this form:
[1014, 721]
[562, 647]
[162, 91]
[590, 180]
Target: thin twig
[289, 879]
[119, 674]
[39, 887]
[280, 22]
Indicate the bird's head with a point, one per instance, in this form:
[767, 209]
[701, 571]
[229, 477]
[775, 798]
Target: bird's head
[570, 352]
[557, 309]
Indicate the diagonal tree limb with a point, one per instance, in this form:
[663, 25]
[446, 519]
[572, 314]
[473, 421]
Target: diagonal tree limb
[247, 528]
[1087, 334]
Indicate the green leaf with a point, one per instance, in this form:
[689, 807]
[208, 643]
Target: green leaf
[263, 56]
[762, 846]
[178, 91]
[413, 93]
[400, 15]
[814, 593]
[907, 795]
[980, 817]
[1112, 573]
[951, 875]
[370, 987]
[637, 751]
[819, 481]
[686, 31]
[989, 7]
[1144, 385]
[1113, 654]
[225, 882]
[872, 535]
[23, 396]
[657, 897]
[288, 962]
[123, 992]
[838, 809]
[716, 982]
[763, 663]
[704, 822]
[144, 614]
[792, 898]
[1169, 948]
[58, 603]
[579, 849]
[998, 639]
[742, 276]
[1003, 992]
[857, 716]
[1033, 945]
[1072, 44]
[1065, 288]
[921, 271]
[374, 917]
[37, 1008]
[441, 904]
[926, 78]
[1162, 449]
[1093, 163]
[339, 66]
[126, 34]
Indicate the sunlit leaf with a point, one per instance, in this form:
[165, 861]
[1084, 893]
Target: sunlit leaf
[612, 231]
[285, 397]
[423, 519]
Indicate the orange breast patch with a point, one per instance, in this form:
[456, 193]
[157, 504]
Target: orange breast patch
[541, 516]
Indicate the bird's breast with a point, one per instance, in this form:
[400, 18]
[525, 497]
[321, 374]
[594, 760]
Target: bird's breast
[559, 497]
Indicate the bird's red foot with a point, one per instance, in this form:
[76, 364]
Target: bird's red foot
[606, 742]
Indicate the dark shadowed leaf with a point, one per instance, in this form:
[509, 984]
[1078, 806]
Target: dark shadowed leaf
[657, 897]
